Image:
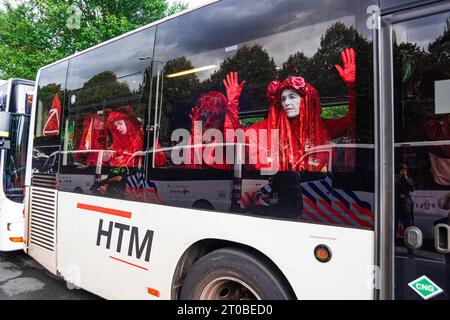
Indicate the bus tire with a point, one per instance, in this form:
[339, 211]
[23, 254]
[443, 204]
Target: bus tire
[233, 274]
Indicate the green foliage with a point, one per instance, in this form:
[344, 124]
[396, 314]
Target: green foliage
[102, 87]
[36, 33]
[247, 122]
[337, 112]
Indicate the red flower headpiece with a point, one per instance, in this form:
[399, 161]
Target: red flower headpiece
[296, 83]
[272, 91]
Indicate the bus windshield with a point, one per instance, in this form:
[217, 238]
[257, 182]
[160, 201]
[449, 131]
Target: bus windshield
[15, 161]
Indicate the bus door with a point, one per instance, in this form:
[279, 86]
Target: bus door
[421, 84]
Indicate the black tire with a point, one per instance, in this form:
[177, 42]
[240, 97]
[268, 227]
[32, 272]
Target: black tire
[218, 271]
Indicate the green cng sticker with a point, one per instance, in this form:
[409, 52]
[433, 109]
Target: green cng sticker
[426, 288]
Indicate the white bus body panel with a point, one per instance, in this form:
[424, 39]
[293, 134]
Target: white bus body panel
[289, 245]
[11, 224]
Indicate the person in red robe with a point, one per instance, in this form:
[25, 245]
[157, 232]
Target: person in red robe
[127, 135]
[215, 112]
[92, 140]
[295, 111]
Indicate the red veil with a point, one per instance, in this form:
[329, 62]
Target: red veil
[125, 145]
[299, 135]
[296, 136]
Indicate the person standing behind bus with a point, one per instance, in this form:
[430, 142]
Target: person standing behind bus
[404, 205]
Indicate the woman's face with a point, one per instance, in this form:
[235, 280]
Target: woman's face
[99, 124]
[121, 126]
[290, 100]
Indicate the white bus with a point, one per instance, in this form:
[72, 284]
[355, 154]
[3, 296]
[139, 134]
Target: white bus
[16, 97]
[110, 207]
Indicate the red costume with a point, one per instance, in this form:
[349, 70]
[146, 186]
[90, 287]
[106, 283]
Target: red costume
[93, 138]
[213, 113]
[125, 144]
[299, 135]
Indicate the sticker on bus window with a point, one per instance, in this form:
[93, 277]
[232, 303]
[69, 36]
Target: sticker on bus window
[442, 96]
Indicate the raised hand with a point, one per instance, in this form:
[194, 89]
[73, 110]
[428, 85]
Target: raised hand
[195, 115]
[348, 73]
[234, 89]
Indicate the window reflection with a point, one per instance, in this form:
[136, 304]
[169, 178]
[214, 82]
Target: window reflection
[245, 68]
[422, 122]
[265, 50]
[51, 97]
[15, 163]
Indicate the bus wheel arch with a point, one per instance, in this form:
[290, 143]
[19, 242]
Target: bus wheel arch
[205, 247]
[203, 205]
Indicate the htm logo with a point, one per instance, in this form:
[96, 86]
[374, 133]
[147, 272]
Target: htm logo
[127, 239]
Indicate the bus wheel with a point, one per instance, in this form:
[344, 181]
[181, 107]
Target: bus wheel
[233, 274]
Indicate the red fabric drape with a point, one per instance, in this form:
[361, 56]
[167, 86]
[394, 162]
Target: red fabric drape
[125, 145]
[93, 138]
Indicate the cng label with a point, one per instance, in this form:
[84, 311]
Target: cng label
[425, 288]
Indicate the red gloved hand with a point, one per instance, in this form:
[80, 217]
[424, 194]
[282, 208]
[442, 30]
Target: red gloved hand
[348, 73]
[234, 89]
[195, 116]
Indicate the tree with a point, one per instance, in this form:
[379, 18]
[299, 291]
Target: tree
[178, 93]
[101, 88]
[256, 67]
[297, 64]
[38, 32]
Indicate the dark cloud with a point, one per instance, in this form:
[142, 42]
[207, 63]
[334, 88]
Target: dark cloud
[231, 22]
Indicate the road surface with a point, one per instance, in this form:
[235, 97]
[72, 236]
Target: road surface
[21, 278]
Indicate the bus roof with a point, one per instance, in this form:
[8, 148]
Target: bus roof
[22, 82]
[131, 32]
[390, 6]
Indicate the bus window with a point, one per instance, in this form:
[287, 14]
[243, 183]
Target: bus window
[51, 97]
[422, 153]
[104, 126]
[3, 93]
[201, 81]
[14, 168]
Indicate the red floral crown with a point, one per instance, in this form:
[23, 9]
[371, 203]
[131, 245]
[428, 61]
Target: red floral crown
[276, 88]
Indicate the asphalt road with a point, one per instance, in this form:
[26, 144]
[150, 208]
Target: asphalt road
[21, 278]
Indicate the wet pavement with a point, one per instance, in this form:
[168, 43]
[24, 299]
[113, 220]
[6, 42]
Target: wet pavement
[21, 278]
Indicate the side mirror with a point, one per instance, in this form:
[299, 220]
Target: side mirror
[5, 126]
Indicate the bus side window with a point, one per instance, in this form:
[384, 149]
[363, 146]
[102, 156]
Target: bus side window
[104, 126]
